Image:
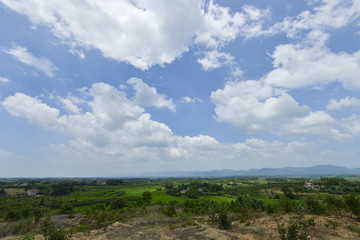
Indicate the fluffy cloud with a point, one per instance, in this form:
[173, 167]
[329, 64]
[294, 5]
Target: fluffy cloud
[187, 99]
[141, 32]
[349, 103]
[215, 59]
[36, 112]
[104, 125]
[220, 26]
[327, 14]
[301, 65]
[113, 124]
[252, 106]
[313, 123]
[42, 64]
[4, 80]
[352, 124]
[148, 96]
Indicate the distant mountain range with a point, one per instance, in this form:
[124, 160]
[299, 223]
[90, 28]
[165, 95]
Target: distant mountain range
[319, 170]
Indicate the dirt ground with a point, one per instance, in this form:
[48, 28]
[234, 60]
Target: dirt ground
[200, 228]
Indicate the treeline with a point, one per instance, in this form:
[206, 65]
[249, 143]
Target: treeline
[193, 190]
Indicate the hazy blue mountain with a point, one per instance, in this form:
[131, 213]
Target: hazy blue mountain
[319, 170]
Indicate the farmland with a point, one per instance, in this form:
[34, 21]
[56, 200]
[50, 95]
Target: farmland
[233, 207]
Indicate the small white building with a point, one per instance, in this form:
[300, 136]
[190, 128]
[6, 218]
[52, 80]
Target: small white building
[184, 190]
[308, 185]
[32, 192]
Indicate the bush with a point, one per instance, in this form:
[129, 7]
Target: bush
[287, 205]
[146, 197]
[169, 211]
[118, 204]
[224, 222]
[297, 228]
[28, 236]
[271, 208]
[353, 204]
[66, 208]
[51, 232]
[314, 206]
[332, 223]
[335, 203]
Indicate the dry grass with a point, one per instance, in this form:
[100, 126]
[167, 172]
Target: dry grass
[14, 191]
[261, 228]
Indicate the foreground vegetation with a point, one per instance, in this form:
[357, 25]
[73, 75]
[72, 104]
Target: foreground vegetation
[64, 207]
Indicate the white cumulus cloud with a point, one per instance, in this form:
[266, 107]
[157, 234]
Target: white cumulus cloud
[214, 59]
[141, 32]
[40, 63]
[304, 65]
[349, 103]
[148, 96]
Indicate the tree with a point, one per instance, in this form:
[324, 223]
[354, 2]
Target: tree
[147, 197]
[66, 208]
[118, 204]
[353, 203]
[62, 188]
[115, 182]
[224, 222]
[2, 192]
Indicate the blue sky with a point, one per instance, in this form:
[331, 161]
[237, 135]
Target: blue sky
[110, 88]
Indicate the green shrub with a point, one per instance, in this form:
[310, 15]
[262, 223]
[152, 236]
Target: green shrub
[296, 229]
[353, 204]
[147, 197]
[271, 208]
[224, 222]
[118, 204]
[332, 223]
[66, 208]
[169, 211]
[286, 204]
[314, 206]
[12, 215]
[51, 232]
[354, 228]
[28, 236]
[335, 203]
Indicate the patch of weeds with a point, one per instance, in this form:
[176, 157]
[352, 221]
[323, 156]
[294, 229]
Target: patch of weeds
[354, 228]
[171, 226]
[28, 236]
[332, 223]
[169, 211]
[188, 222]
[297, 228]
[51, 232]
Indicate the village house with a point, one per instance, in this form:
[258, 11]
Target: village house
[200, 189]
[101, 183]
[310, 185]
[184, 190]
[24, 184]
[32, 192]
